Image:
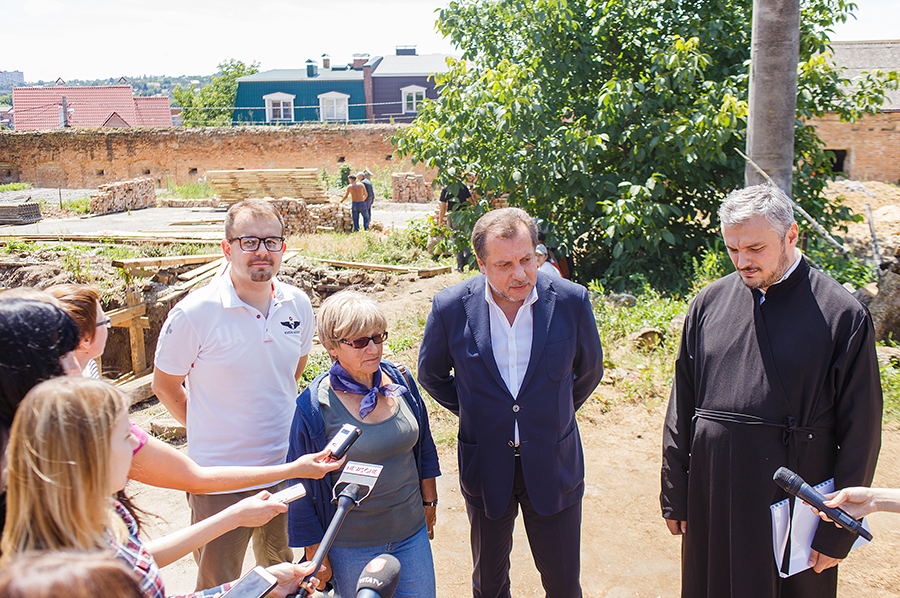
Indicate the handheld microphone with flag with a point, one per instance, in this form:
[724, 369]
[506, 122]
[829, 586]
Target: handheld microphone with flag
[356, 479]
[793, 484]
[380, 577]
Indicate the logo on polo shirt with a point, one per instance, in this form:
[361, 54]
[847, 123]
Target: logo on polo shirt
[291, 326]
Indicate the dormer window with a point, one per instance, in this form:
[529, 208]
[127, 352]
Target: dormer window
[279, 107]
[412, 96]
[333, 106]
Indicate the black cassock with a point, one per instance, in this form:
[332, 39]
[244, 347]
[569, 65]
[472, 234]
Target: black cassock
[793, 382]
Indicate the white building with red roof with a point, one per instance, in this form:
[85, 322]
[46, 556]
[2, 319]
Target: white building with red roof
[36, 108]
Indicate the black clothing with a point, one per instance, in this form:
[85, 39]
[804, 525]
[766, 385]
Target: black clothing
[793, 382]
[455, 202]
[555, 542]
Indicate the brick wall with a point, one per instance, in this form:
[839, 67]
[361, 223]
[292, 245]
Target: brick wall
[87, 158]
[872, 145]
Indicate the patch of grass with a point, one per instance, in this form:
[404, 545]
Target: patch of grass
[318, 362]
[638, 374]
[79, 206]
[198, 190]
[15, 187]
[890, 387]
[394, 248]
[15, 245]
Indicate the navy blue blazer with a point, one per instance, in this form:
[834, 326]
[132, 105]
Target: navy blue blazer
[565, 366]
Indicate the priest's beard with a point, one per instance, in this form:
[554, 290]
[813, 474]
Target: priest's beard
[784, 263]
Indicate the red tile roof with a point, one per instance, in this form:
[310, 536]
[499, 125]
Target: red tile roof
[37, 108]
[152, 112]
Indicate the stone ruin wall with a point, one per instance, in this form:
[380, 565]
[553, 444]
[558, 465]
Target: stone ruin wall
[872, 144]
[88, 158]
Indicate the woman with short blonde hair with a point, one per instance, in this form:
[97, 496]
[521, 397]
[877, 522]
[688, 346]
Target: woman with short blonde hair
[382, 400]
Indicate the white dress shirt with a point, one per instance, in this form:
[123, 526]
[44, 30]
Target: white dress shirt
[511, 344]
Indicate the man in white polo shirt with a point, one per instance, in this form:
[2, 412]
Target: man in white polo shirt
[238, 345]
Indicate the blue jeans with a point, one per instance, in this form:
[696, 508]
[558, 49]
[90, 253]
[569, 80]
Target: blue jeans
[416, 566]
[359, 207]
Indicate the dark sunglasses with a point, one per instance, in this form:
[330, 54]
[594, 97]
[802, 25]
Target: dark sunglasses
[363, 341]
[273, 244]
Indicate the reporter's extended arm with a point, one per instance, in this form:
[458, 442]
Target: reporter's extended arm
[158, 464]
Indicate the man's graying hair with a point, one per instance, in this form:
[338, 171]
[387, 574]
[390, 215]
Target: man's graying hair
[505, 223]
[758, 200]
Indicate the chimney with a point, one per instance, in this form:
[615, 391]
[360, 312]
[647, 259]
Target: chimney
[326, 61]
[359, 60]
[312, 69]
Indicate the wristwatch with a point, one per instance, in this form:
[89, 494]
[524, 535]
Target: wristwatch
[429, 503]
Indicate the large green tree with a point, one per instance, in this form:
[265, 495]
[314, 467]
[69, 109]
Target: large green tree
[617, 121]
[213, 104]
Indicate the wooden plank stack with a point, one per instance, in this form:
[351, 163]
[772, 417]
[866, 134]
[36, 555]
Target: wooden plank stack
[125, 195]
[333, 216]
[23, 213]
[234, 185]
[409, 187]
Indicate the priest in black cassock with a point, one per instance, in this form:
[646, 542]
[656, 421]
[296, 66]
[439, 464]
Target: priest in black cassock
[776, 368]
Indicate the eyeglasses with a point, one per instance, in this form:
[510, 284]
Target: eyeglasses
[363, 341]
[105, 322]
[273, 244]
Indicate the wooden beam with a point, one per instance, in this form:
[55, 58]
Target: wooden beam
[191, 274]
[364, 266]
[429, 272]
[173, 261]
[138, 351]
[123, 317]
[138, 389]
[113, 237]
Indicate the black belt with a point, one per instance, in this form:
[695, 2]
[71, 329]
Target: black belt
[790, 427]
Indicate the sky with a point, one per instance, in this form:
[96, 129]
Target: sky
[94, 39]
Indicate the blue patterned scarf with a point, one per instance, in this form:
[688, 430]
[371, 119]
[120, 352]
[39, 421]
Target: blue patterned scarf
[344, 382]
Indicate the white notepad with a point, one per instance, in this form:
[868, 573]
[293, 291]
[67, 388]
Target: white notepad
[802, 528]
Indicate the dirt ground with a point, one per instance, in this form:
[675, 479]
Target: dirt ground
[626, 550]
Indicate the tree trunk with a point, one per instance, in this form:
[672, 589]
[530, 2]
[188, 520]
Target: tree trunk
[774, 54]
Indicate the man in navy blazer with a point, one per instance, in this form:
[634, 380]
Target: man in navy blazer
[525, 354]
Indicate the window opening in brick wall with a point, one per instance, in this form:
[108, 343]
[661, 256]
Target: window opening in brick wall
[389, 157]
[341, 159]
[100, 173]
[146, 171]
[839, 162]
[192, 172]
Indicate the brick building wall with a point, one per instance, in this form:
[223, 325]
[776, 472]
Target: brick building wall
[88, 158]
[872, 145]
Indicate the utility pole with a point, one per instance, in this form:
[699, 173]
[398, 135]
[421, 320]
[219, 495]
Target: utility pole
[774, 54]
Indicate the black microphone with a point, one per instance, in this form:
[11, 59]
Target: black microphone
[380, 577]
[346, 500]
[793, 484]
